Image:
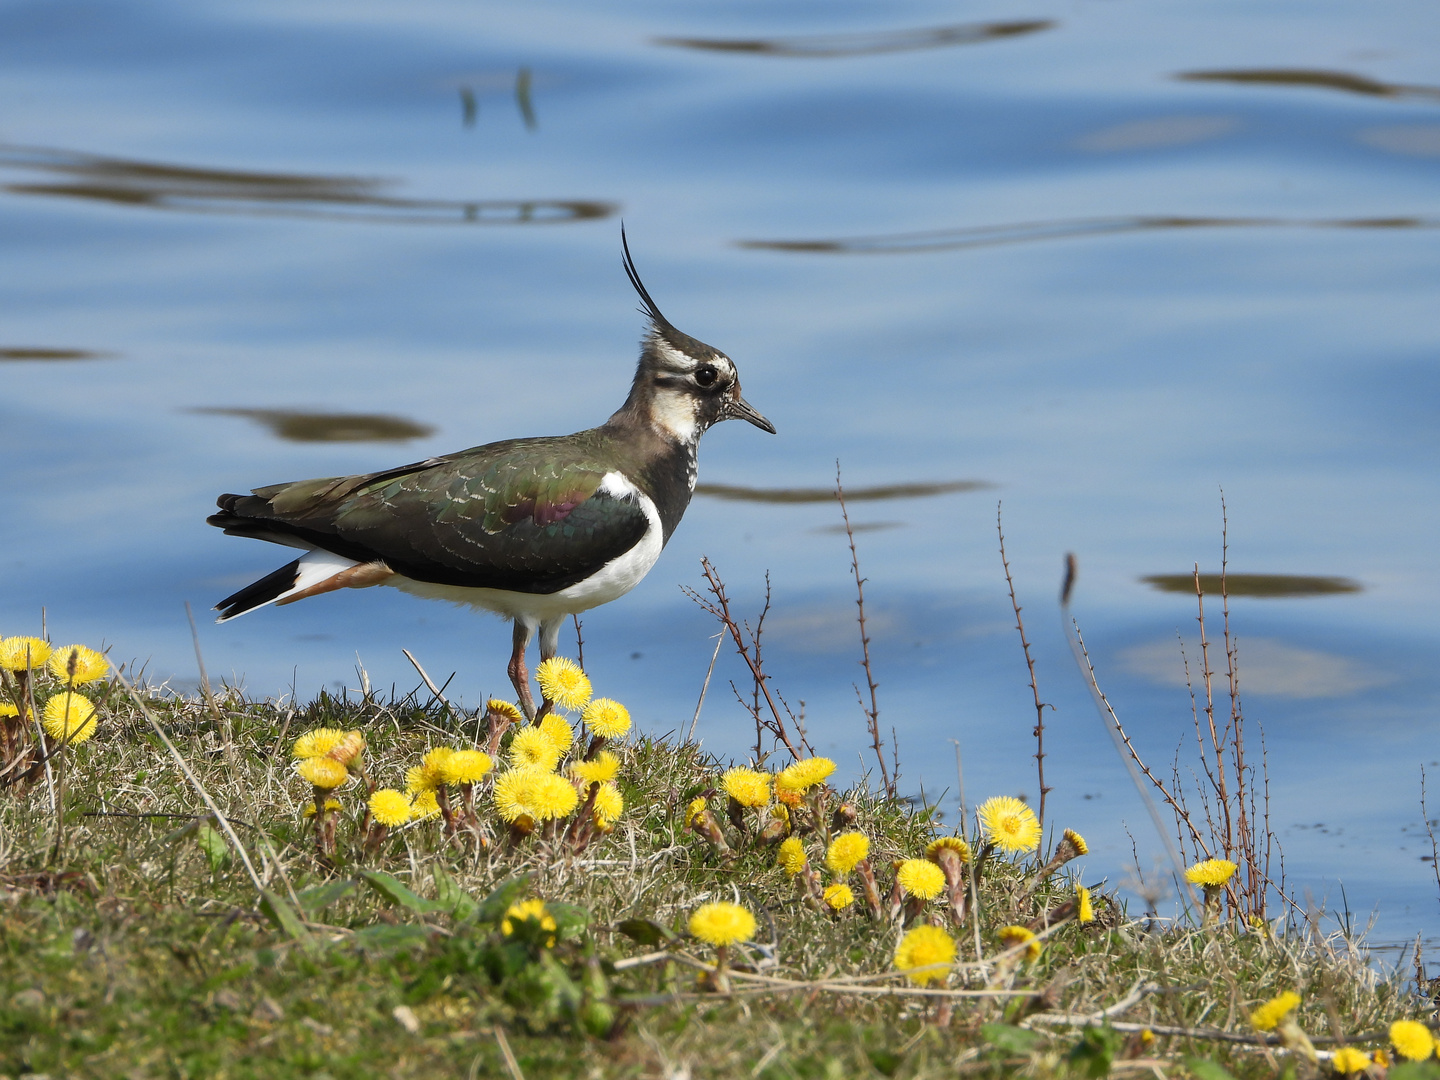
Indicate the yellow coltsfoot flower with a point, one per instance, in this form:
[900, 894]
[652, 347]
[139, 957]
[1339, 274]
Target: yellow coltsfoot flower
[606, 718]
[1013, 936]
[317, 743]
[77, 664]
[925, 955]
[1009, 824]
[694, 809]
[532, 916]
[1348, 1060]
[503, 708]
[722, 923]
[563, 682]
[609, 805]
[69, 716]
[839, 896]
[1211, 873]
[600, 769]
[390, 807]
[947, 843]
[555, 728]
[1412, 1040]
[432, 765]
[533, 749]
[748, 787]
[846, 851]
[23, 653]
[323, 772]
[1267, 1016]
[465, 767]
[791, 856]
[920, 878]
[534, 794]
[801, 776]
[1084, 907]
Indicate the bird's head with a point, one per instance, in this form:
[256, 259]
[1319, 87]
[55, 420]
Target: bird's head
[683, 385]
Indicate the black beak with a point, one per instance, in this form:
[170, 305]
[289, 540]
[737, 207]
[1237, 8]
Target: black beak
[737, 408]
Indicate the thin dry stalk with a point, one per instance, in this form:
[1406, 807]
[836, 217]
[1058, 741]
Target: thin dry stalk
[705, 686]
[1430, 832]
[1040, 706]
[1123, 746]
[1234, 828]
[1257, 869]
[720, 609]
[437, 691]
[757, 645]
[872, 714]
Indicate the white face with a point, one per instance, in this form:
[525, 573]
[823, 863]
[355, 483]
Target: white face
[686, 403]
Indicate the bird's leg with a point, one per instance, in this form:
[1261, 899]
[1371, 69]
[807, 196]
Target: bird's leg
[549, 646]
[519, 677]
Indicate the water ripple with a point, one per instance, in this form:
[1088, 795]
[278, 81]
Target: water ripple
[159, 186]
[975, 236]
[871, 43]
[1343, 81]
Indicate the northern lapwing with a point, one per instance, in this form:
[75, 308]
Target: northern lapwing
[532, 529]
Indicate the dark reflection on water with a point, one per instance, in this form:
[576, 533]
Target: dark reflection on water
[1323, 80]
[1064, 229]
[859, 527]
[329, 427]
[823, 46]
[50, 354]
[523, 100]
[827, 494]
[1263, 585]
[159, 186]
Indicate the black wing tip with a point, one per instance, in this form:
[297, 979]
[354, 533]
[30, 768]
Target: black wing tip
[651, 308]
[258, 592]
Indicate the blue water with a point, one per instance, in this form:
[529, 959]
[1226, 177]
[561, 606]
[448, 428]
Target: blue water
[1040, 260]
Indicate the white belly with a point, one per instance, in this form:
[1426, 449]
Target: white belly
[613, 580]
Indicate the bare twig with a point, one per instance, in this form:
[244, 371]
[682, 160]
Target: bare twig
[757, 645]
[1430, 831]
[579, 643]
[720, 609]
[1133, 764]
[1040, 706]
[872, 714]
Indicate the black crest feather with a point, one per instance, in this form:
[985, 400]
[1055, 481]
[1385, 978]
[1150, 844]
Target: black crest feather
[649, 309]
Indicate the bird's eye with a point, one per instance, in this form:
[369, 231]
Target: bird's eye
[706, 374]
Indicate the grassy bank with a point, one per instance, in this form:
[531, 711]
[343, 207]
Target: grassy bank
[135, 941]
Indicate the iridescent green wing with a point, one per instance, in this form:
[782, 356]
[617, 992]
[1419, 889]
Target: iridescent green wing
[528, 515]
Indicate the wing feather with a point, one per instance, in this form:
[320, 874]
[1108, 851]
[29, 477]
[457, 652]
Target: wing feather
[530, 515]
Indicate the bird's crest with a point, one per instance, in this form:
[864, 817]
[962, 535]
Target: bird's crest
[649, 307]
